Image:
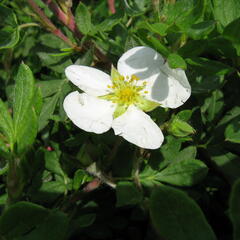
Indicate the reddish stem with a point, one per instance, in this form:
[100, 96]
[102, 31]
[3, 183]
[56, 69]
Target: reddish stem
[67, 19]
[111, 6]
[50, 26]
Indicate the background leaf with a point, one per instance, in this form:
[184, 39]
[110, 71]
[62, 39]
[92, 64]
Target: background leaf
[234, 209]
[172, 209]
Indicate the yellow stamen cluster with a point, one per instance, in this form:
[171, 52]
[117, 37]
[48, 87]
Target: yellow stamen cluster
[126, 91]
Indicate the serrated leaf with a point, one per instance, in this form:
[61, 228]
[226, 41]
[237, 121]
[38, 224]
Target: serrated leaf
[23, 93]
[83, 19]
[24, 114]
[6, 123]
[183, 173]
[226, 11]
[175, 216]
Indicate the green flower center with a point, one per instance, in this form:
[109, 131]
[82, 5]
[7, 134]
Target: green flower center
[125, 92]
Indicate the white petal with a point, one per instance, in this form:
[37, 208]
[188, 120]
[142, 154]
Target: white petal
[170, 87]
[89, 113]
[140, 61]
[138, 128]
[90, 80]
[167, 86]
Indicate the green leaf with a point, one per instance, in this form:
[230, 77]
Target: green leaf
[110, 22]
[159, 28]
[212, 107]
[183, 173]
[21, 217]
[193, 48]
[27, 131]
[231, 32]
[24, 114]
[156, 44]
[7, 17]
[6, 123]
[175, 216]
[208, 67]
[52, 163]
[232, 131]
[226, 162]
[54, 227]
[234, 209]
[23, 93]
[37, 101]
[201, 30]
[9, 37]
[52, 41]
[56, 63]
[50, 87]
[48, 191]
[9, 34]
[183, 13]
[127, 194]
[80, 177]
[170, 148]
[180, 128]
[133, 8]
[86, 58]
[176, 61]
[188, 153]
[83, 19]
[184, 115]
[48, 108]
[226, 11]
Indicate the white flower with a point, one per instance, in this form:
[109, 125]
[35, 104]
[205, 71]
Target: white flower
[142, 81]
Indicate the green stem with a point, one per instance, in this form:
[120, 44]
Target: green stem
[28, 25]
[14, 181]
[136, 167]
